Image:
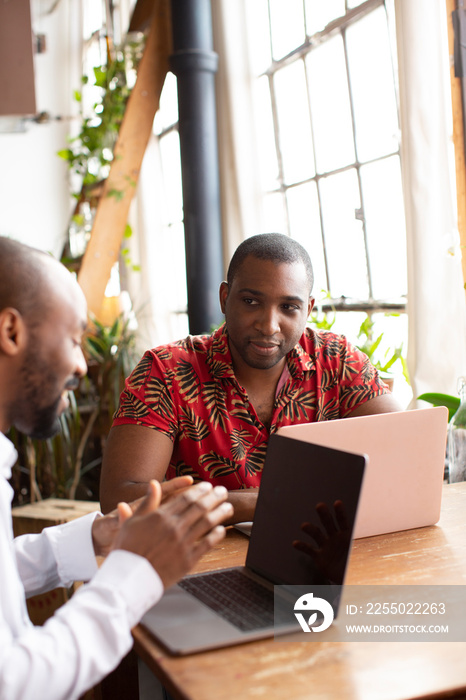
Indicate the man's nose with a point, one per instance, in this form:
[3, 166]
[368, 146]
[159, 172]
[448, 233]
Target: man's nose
[81, 364]
[268, 322]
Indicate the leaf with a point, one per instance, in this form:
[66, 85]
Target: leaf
[188, 379]
[218, 466]
[255, 460]
[451, 402]
[117, 194]
[131, 407]
[100, 75]
[240, 441]
[77, 95]
[159, 398]
[183, 469]
[140, 372]
[66, 154]
[193, 426]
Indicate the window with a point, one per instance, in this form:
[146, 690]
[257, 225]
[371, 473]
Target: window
[171, 219]
[327, 132]
[325, 96]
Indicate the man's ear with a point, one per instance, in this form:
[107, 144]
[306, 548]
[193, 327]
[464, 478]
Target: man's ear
[223, 293]
[310, 306]
[12, 332]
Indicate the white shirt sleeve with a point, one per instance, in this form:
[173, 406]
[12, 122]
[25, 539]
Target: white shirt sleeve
[85, 639]
[58, 556]
[89, 635]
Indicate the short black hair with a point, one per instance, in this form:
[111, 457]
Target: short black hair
[22, 280]
[271, 246]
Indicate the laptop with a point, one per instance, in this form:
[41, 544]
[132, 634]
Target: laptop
[200, 613]
[403, 482]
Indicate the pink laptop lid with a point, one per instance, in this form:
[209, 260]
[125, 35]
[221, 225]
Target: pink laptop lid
[402, 486]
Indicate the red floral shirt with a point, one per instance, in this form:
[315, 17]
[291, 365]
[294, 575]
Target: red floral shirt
[188, 391]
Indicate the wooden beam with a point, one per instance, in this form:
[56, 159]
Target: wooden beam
[112, 211]
[458, 138]
[142, 15]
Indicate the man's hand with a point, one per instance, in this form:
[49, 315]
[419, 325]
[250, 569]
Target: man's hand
[332, 541]
[174, 535]
[244, 505]
[104, 530]
[173, 486]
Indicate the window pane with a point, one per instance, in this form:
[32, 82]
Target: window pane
[344, 235]
[294, 123]
[171, 167]
[303, 212]
[265, 135]
[320, 13]
[174, 245]
[274, 214]
[330, 106]
[372, 85]
[287, 26]
[386, 237]
[348, 324]
[257, 19]
[167, 114]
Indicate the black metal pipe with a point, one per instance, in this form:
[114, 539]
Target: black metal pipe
[195, 63]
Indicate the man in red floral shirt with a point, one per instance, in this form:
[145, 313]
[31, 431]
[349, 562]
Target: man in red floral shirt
[206, 405]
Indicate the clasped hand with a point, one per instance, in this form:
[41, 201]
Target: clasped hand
[173, 526]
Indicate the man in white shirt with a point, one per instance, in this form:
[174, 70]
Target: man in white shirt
[149, 544]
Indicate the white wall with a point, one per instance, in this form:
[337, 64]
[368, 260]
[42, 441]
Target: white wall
[35, 199]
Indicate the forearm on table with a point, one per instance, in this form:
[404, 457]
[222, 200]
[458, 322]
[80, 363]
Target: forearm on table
[126, 491]
[244, 504]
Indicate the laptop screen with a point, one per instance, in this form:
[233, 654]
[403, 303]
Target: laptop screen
[323, 492]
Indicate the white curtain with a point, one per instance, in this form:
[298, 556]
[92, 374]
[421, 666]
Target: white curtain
[239, 176]
[154, 290]
[436, 299]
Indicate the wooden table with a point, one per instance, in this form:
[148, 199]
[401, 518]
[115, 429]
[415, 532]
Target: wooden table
[280, 670]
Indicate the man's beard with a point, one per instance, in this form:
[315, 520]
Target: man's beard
[46, 423]
[30, 415]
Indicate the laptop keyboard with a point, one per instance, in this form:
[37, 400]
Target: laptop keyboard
[234, 596]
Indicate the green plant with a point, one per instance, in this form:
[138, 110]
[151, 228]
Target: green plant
[111, 355]
[369, 343]
[91, 151]
[438, 399]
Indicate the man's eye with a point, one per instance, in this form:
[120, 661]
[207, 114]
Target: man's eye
[249, 301]
[290, 307]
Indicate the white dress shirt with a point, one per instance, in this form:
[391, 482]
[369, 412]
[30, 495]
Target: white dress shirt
[87, 637]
